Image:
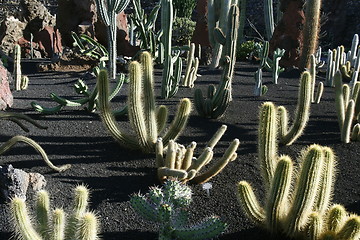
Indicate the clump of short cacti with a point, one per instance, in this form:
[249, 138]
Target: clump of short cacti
[191, 67]
[21, 81]
[169, 206]
[52, 224]
[146, 119]
[180, 164]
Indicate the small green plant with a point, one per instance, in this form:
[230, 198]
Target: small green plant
[183, 30]
[89, 47]
[80, 225]
[244, 50]
[180, 163]
[169, 206]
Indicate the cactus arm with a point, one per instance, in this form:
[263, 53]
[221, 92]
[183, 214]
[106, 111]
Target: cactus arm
[58, 221]
[313, 228]
[8, 145]
[216, 137]
[201, 161]
[45, 110]
[159, 153]
[179, 122]
[143, 207]
[165, 173]
[267, 142]
[277, 201]
[219, 166]
[302, 111]
[207, 229]
[189, 64]
[88, 227]
[351, 229]
[170, 155]
[319, 92]
[106, 114]
[305, 190]
[249, 203]
[242, 7]
[354, 46]
[336, 218]
[42, 213]
[140, 112]
[326, 186]
[22, 220]
[211, 21]
[349, 116]
[161, 117]
[188, 156]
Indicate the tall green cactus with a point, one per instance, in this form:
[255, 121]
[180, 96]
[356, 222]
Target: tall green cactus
[310, 32]
[172, 62]
[192, 65]
[345, 105]
[108, 11]
[146, 120]
[169, 207]
[82, 224]
[269, 18]
[180, 164]
[288, 211]
[218, 99]
[302, 112]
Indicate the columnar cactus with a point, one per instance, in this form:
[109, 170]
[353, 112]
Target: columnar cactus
[146, 120]
[82, 225]
[108, 11]
[218, 99]
[289, 135]
[288, 211]
[269, 18]
[345, 102]
[172, 62]
[310, 32]
[180, 164]
[169, 207]
[17, 67]
[315, 98]
[191, 67]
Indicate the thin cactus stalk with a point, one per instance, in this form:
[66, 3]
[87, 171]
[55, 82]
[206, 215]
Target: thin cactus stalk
[33, 229]
[319, 92]
[311, 32]
[269, 18]
[354, 49]
[288, 136]
[17, 67]
[179, 163]
[146, 120]
[276, 69]
[314, 226]
[191, 67]
[336, 218]
[108, 11]
[242, 20]
[169, 206]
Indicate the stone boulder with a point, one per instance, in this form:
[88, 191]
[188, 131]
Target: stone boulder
[6, 97]
[288, 34]
[11, 29]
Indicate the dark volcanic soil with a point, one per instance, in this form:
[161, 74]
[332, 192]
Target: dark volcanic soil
[77, 137]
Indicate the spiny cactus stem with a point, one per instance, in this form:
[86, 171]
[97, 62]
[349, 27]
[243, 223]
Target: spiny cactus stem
[42, 213]
[188, 156]
[58, 224]
[88, 227]
[216, 137]
[336, 218]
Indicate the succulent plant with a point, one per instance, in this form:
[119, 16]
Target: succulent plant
[81, 224]
[169, 206]
[179, 163]
[146, 120]
[191, 67]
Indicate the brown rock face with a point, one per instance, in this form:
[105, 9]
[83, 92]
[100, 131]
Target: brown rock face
[82, 17]
[6, 97]
[201, 33]
[49, 41]
[288, 33]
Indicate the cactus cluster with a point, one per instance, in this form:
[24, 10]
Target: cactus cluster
[89, 47]
[348, 63]
[52, 224]
[90, 98]
[347, 104]
[108, 11]
[169, 207]
[179, 162]
[146, 120]
[315, 98]
[192, 65]
[144, 26]
[218, 99]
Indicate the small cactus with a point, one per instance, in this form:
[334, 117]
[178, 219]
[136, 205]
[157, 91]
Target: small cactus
[168, 206]
[191, 67]
[84, 226]
[180, 164]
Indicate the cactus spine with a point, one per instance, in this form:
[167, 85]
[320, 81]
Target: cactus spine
[218, 99]
[169, 206]
[180, 164]
[108, 11]
[146, 123]
[311, 32]
[79, 226]
[288, 136]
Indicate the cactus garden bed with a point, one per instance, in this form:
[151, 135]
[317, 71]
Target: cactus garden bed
[77, 137]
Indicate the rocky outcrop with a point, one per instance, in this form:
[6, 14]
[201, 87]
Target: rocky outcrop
[11, 29]
[6, 97]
